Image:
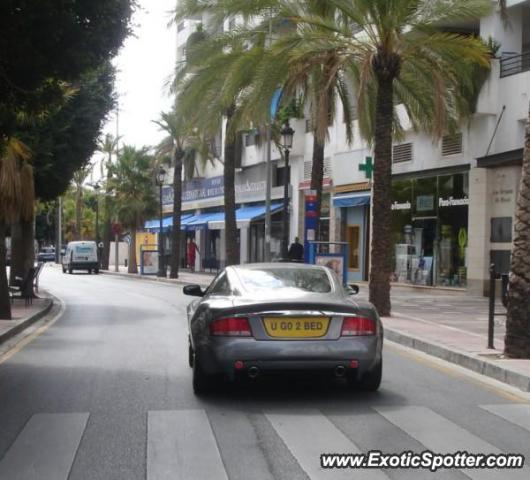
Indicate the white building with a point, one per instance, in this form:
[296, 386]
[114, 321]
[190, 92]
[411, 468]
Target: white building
[454, 199]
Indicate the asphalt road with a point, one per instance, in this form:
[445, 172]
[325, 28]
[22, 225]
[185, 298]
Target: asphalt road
[105, 393]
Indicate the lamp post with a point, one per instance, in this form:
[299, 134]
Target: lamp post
[287, 143]
[160, 177]
[96, 188]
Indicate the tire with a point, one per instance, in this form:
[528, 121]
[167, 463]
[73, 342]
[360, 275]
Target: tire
[70, 270]
[372, 380]
[96, 271]
[64, 270]
[202, 382]
[190, 354]
[89, 271]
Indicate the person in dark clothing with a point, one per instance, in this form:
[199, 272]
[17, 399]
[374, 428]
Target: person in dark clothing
[296, 251]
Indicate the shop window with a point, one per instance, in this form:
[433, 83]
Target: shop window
[501, 229]
[353, 235]
[451, 144]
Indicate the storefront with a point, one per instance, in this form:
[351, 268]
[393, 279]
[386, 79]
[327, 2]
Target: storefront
[354, 217]
[430, 228]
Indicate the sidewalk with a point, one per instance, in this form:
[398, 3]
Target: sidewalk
[23, 317]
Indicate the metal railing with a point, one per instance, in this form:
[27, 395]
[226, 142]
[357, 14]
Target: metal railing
[513, 64]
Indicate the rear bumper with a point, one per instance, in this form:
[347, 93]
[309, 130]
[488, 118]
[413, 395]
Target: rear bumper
[82, 265]
[220, 354]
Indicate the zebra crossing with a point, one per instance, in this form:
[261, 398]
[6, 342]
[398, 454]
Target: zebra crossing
[185, 444]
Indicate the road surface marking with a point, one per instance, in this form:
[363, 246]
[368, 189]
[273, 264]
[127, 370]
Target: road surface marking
[181, 446]
[516, 414]
[46, 447]
[308, 434]
[443, 436]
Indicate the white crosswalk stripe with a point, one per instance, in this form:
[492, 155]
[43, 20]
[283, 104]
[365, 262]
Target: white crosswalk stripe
[443, 436]
[518, 414]
[308, 434]
[46, 447]
[182, 446]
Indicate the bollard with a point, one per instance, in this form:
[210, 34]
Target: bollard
[491, 315]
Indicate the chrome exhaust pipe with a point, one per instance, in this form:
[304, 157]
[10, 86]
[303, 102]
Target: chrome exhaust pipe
[340, 371]
[253, 372]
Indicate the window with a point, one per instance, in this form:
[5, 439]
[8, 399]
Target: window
[221, 286]
[402, 153]
[284, 280]
[451, 144]
[250, 139]
[353, 239]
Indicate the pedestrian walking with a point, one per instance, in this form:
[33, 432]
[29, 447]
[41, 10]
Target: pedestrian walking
[296, 251]
[191, 251]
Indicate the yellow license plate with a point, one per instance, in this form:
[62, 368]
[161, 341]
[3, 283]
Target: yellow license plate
[296, 327]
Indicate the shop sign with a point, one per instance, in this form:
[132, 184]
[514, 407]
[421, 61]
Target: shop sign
[250, 187]
[453, 202]
[401, 206]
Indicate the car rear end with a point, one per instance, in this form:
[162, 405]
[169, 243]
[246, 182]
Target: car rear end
[84, 256]
[285, 339]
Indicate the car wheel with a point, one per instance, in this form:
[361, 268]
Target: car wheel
[96, 271]
[372, 379]
[89, 271]
[190, 353]
[70, 270]
[64, 270]
[202, 382]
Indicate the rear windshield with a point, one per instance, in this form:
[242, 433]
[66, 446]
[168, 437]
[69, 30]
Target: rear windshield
[300, 279]
[82, 249]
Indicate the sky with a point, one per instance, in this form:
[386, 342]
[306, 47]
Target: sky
[144, 64]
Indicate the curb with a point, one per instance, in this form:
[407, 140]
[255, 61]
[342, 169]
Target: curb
[169, 281]
[27, 322]
[466, 360]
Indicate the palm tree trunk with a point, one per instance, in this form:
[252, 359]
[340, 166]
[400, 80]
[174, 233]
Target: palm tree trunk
[381, 248]
[78, 212]
[5, 304]
[317, 178]
[133, 267]
[177, 211]
[22, 249]
[231, 245]
[107, 233]
[517, 340]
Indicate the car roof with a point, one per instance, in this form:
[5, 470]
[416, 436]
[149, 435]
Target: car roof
[276, 265]
[82, 242]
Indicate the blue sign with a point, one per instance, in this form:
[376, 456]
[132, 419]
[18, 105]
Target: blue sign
[196, 189]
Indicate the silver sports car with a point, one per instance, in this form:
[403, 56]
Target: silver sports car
[265, 318]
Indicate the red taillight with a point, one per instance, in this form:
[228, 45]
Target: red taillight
[356, 326]
[231, 326]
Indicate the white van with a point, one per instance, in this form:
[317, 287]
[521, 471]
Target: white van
[81, 256]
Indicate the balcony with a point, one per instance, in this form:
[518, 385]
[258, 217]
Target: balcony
[513, 64]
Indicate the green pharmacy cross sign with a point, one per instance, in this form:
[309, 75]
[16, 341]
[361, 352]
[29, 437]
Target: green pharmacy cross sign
[367, 167]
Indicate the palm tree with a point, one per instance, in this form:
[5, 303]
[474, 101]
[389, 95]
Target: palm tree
[108, 147]
[133, 184]
[17, 201]
[184, 145]
[79, 179]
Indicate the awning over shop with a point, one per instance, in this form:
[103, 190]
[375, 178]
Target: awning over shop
[351, 200]
[244, 216]
[197, 222]
[153, 226]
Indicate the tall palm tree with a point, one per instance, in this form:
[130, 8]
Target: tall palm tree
[17, 200]
[185, 146]
[133, 184]
[108, 146]
[79, 179]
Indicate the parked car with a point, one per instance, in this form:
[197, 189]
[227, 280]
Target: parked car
[81, 255]
[260, 319]
[46, 254]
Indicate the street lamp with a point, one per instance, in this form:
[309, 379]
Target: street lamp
[287, 143]
[160, 177]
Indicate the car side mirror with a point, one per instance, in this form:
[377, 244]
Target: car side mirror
[353, 289]
[193, 290]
